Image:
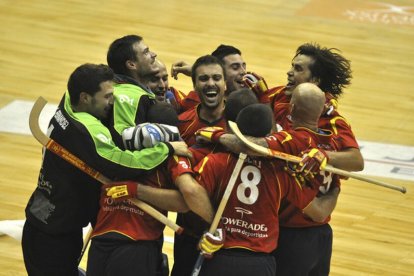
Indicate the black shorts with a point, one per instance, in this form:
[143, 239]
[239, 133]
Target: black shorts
[123, 257]
[239, 262]
[47, 254]
[304, 251]
[185, 255]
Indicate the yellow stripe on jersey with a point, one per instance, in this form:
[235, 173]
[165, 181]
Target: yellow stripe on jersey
[276, 92]
[287, 138]
[280, 188]
[200, 170]
[333, 123]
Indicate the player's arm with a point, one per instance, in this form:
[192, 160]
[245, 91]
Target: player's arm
[234, 144]
[166, 199]
[321, 207]
[349, 159]
[180, 67]
[195, 196]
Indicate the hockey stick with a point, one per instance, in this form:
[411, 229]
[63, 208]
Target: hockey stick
[85, 244]
[296, 159]
[54, 147]
[220, 209]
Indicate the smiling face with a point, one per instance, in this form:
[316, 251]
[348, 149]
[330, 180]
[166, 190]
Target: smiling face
[300, 72]
[158, 82]
[100, 104]
[210, 85]
[235, 70]
[144, 63]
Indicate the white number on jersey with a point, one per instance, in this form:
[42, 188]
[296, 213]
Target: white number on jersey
[247, 191]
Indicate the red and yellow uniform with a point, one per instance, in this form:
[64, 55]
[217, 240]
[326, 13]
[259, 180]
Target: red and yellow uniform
[302, 240]
[190, 122]
[190, 101]
[250, 218]
[124, 230]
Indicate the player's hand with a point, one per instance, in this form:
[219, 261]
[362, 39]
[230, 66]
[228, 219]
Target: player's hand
[180, 67]
[331, 104]
[209, 134]
[148, 135]
[120, 191]
[170, 133]
[313, 161]
[210, 243]
[258, 85]
[181, 149]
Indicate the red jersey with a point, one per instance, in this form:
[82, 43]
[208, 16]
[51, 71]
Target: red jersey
[190, 101]
[190, 122]
[289, 214]
[251, 214]
[342, 138]
[128, 220]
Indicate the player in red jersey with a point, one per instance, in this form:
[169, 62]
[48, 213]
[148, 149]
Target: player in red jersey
[234, 67]
[250, 218]
[123, 230]
[331, 72]
[185, 245]
[302, 107]
[208, 78]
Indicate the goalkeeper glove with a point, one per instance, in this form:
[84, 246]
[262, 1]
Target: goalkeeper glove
[148, 135]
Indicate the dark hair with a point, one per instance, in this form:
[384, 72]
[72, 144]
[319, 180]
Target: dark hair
[255, 120]
[120, 51]
[236, 101]
[162, 113]
[205, 60]
[224, 50]
[331, 68]
[88, 78]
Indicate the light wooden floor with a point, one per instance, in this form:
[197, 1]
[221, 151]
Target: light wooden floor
[41, 42]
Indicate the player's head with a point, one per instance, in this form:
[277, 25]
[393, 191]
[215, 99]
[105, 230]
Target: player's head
[234, 66]
[158, 81]
[322, 66]
[130, 56]
[162, 113]
[238, 100]
[208, 78]
[90, 89]
[307, 103]
[255, 120]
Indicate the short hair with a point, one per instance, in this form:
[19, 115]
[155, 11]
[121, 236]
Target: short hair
[162, 113]
[331, 68]
[120, 51]
[238, 100]
[224, 50]
[205, 60]
[88, 78]
[255, 120]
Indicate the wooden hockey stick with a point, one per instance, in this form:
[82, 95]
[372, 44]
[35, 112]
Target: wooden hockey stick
[221, 207]
[296, 159]
[54, 147]
[85, 244]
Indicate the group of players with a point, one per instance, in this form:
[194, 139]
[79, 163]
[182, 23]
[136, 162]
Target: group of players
[176, 152]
